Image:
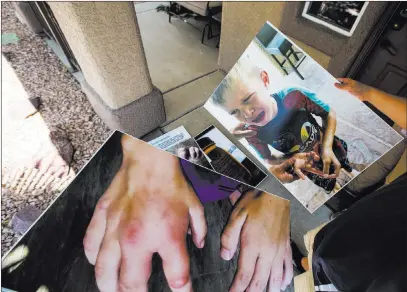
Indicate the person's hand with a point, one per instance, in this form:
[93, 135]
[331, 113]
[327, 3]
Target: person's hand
[260, 222]
[360, 90]
[241, 132]
[146, 209]
[328, 157]
[283, 171]
[193, 154]
[305, 161]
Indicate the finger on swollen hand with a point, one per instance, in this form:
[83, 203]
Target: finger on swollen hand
[245, 268]
[135, 267]
[95, 232]
[175, 261]
[276, 276]
[108, 264]
[197, 223]
[97, 226]
[231, 234]
[261, 274]
[288, 272]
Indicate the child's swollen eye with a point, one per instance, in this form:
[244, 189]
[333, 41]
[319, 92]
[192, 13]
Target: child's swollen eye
[246, 100]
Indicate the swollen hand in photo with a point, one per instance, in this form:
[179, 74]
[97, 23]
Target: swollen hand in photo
[240, 131]
[328, 158]
[147, 209]
[284, 171]
[306, 162]
[260, 223]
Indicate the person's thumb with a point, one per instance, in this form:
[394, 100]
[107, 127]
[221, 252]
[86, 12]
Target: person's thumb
[197, 223]
[342, 84]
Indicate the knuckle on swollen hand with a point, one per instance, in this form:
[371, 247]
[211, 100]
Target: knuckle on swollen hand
[277, 280]
[125, 285]
[102, 204]
[259, 283]
[99, 270]
[132, 233]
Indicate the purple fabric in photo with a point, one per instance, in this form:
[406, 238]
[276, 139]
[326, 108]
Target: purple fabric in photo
[208, 185]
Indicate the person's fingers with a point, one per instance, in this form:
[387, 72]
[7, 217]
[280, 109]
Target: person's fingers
[245, 268]
[314, 156]
[136, 258]
[231, 234]
[261, 275]
[276, 276]
[107, 265]
[288, 163]
[327, 165]
[298, 172]
[95, 232]
[288, 178]
[108, 259]
[197, 222]
[97, 226]
[175, 260]
[337, 166]
[288, 267]
[344, 83]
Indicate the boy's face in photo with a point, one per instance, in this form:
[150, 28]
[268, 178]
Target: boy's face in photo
[250, 102]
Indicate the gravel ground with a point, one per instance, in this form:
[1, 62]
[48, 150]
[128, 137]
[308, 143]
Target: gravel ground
[63, 104]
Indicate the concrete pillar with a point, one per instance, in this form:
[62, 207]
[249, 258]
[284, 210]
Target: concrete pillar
[105, 39]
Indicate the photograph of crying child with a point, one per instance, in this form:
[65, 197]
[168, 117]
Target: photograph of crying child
[137, 218]
[285, 108]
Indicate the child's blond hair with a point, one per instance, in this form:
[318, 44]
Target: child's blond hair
[244, 70]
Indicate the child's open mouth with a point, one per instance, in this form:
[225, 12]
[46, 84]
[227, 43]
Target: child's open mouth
[259, 118]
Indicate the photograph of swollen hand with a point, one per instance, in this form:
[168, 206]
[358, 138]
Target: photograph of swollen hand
[137, 218]
[286, 110]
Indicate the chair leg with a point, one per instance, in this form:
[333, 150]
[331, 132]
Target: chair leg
[295, 55]
[203, 33]
[169, 18]
[280, 64]
[295, 69]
